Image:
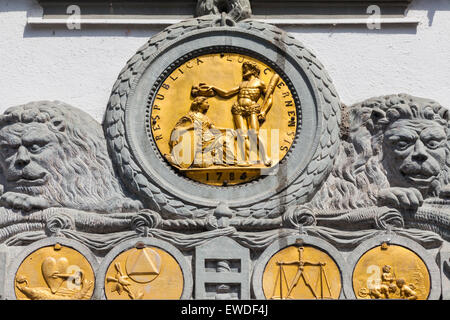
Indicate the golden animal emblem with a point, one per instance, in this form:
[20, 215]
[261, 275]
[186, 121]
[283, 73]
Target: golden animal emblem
[391, 272]
[222, 119]
[54, 273]
[301, 273]
[144, 273]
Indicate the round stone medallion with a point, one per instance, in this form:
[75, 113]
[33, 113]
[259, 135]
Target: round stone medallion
[206, 113]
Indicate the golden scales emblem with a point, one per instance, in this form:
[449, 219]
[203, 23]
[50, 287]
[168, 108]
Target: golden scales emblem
[312, 274]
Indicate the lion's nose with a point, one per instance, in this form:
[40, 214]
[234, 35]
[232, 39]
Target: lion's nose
[22, 157]
[419, 154]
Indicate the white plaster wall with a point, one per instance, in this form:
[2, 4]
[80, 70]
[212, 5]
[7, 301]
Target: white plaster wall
[80, 66]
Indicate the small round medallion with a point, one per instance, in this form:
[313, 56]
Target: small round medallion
[144, 273]
[391, 272]
[301, 272]
[54, 273]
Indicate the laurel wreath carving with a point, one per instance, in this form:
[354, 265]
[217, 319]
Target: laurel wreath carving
[170, 207]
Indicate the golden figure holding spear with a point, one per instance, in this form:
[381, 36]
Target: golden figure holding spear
[248, 115]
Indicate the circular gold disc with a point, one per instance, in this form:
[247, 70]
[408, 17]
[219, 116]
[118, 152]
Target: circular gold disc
[220, 119]
[147, 273]
[54, 273]
[301, 273]
[391, 272]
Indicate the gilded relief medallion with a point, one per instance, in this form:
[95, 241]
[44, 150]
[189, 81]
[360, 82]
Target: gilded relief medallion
[144, 273]
[391, 272]
[221, 119]
[54, 273]
[301, 273]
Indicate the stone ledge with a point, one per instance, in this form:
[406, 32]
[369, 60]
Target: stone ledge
[40, 21]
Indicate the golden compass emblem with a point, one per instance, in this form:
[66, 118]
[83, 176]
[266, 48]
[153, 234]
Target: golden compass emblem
[301, 273]
[221, 119]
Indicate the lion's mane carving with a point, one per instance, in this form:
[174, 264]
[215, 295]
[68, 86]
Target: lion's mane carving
[55, 155]
[392, 168]
[395, 151]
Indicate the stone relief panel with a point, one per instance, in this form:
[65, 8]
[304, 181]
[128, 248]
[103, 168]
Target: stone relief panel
[347, 175]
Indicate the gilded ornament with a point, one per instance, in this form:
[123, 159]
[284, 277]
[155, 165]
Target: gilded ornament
[222, 119]
[301, 273]
[144, 273]
[54, 273]
[391, 272]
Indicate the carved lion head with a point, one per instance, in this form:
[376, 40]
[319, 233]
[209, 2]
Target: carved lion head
[392, 141]
[58, 152]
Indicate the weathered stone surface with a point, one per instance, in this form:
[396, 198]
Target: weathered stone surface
[445, 274]
[222, 270]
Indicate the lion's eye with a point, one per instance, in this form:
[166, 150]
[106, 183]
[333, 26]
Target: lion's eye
[433, 144]
[36, 147]
[402, 144]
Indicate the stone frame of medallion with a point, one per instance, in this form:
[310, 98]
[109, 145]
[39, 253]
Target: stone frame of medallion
[444, 264]
[393, 239]
[281, 243]
[151, 77]
[182, 261]
[10, 293]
